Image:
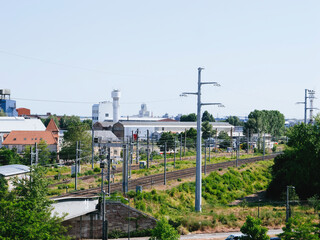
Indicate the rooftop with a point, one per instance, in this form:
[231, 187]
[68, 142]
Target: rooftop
[14, 169]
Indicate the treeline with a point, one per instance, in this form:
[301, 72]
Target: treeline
[299, 165]
[65, 121]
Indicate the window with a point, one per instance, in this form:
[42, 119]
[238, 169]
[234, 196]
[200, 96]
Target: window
[14, 139]
[25, 139]
[107, 114]
[35, 139]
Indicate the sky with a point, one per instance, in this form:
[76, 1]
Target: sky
[63, 56]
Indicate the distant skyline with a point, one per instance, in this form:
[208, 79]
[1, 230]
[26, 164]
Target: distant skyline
[263, 53]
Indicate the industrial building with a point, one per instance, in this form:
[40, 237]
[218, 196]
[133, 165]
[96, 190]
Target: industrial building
[7, 105]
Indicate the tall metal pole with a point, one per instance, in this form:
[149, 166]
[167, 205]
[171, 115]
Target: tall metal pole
[109, 169]
[92, 145]
[205, 158]
[37, 155]
[148, 148]
[125, 169]
[174, 154]
[165, 163]
[237, 151]
[198, 157]
[180, 146]
[151, 157]
[305, 105]
[137, 153]
[185, 142]
[76, 168]
[209, 152]
[264, 144]
[248, 141]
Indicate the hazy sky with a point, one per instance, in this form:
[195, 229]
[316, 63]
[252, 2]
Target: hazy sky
[263, 53]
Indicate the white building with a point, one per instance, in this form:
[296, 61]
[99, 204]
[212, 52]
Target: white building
[102, 112]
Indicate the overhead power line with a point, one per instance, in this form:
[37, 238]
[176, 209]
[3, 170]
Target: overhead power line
[66, 65]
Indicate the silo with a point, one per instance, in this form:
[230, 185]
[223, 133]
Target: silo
[116, 94]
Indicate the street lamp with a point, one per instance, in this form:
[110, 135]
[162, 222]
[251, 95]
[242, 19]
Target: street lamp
[198, 158]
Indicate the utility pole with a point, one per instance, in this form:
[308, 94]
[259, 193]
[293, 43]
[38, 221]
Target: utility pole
[264, 145]
[180, 146]
[109, 169]
[137, 157]
[174, 154]
[311, 97]
[185, 142]
[205, 158]
[92, 145]
[148, 148]
[125, 169]
[76, 168]
[165, 164]
[198, 158]
[209, 152]
[248, 141]
[36, 153]
[237, 151]
[151, 157]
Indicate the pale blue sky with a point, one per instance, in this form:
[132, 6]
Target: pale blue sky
[263, 53]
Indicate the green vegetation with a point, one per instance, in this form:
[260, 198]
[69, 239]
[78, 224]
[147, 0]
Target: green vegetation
[300, 228]
[77, 131]
[265, 121]
[218, 190]
[253, 230]
[164, 231]
[299, 164]
[192, 117]
[235, 121]
[25, 212]
[206, 116]
[8, 156]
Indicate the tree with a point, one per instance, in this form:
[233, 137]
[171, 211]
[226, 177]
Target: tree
[226, 141]
[253, 230]
[44, 155]
[314, 201]
[169, 138]
[192, 117]
[25, 212]
[300, 228]
[164, 231]
[299, 164]
[66, 121]
[235, 121]
[206, 116]
[265, 121]
[8, 156]
[76, 132]
[207, 131]
[47, 120]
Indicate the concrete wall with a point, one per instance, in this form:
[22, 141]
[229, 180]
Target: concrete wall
[117, 215]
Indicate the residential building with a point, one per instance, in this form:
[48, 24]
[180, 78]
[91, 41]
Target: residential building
[9, 172]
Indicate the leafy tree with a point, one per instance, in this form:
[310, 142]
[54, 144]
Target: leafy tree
[206, 116]
[192, 134]
[47, 120]
[207, 131]
[226, 142]
[76, 132]
[314, 201]
[192, 117]
[169, 138]
[299, 164]
[164, 231]
[66, 121]
[25, 213]
[300, 228]
[253, 230]
[44, 154]
[265, 121]
[8, 156]
[235, 121]
[88, 122]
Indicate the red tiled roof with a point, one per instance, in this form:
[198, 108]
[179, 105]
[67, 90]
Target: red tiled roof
[29, 138]
[52, 126]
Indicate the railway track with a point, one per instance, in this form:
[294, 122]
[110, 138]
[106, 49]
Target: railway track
[158, 179]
